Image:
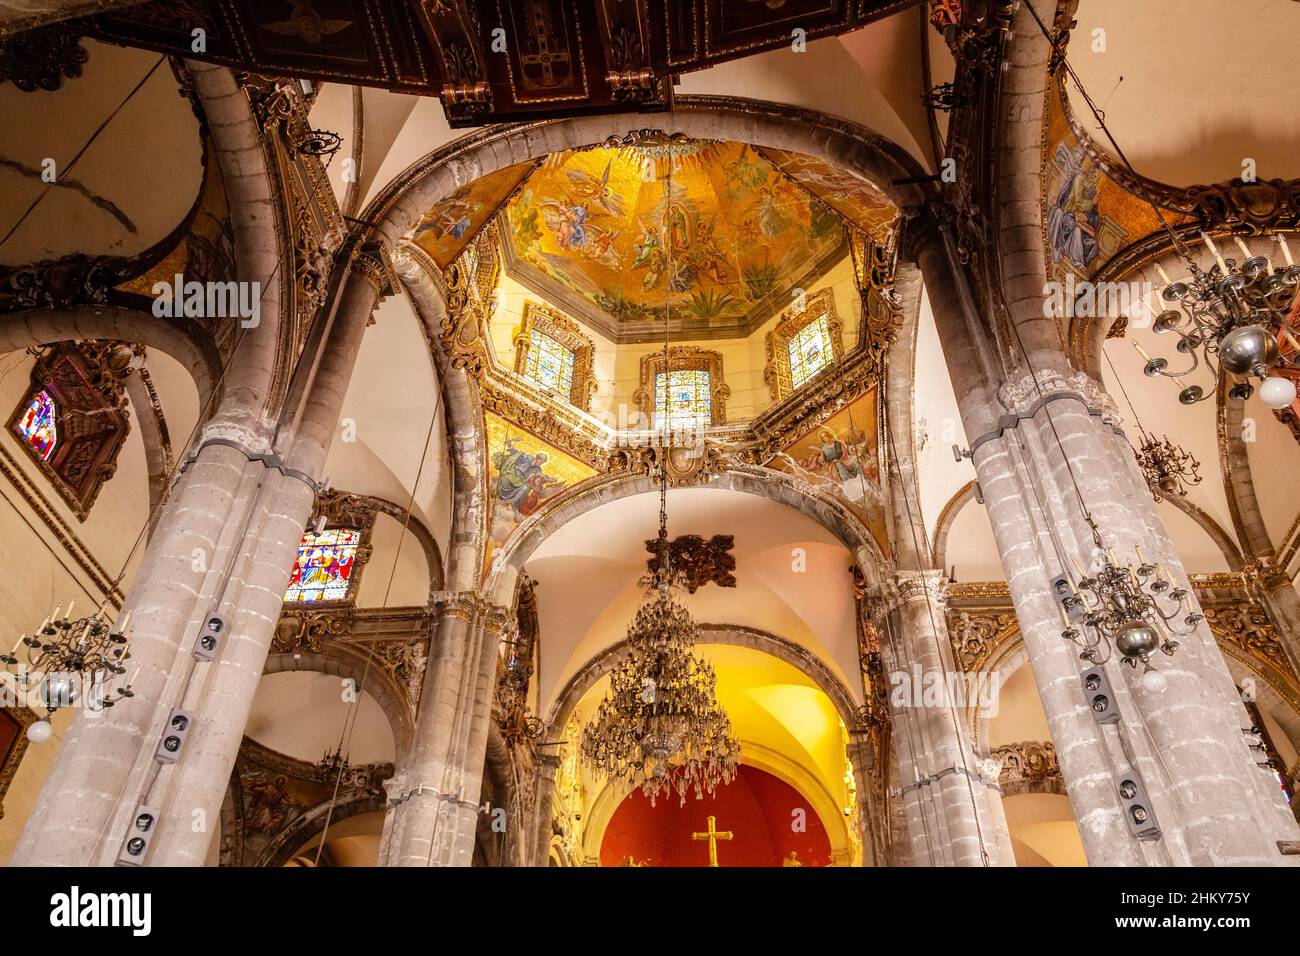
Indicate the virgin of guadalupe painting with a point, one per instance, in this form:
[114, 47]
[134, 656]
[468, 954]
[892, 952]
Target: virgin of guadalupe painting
[1073, 218]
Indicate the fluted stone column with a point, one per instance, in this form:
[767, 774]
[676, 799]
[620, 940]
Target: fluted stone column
[1214, 805]
[953, 807]
[225, 544]
[433, 820]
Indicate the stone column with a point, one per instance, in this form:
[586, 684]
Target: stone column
[435, 817]
[1045, 447]
[225, 544]
[546, 767]
[953, 807]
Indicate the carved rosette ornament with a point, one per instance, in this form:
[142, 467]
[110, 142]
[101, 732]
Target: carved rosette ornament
[41, 59]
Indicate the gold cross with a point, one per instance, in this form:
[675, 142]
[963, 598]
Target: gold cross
[713, 836]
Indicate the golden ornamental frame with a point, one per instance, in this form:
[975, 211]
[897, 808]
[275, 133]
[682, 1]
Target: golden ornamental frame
[554, 323]
[683, 358]
[777, 372]
[9, 761]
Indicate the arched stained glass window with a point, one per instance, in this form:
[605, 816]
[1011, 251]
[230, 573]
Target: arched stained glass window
[323, 571]
[689, 396]
[36, 425]
[549, 363]
[810, 350]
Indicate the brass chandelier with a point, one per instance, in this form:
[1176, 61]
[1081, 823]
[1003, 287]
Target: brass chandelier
[1230, 319]
[71, 661]
[1120, 605]
[660, 727]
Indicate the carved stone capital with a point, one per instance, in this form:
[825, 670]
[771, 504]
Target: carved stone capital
[371, 262]
[1020, 395]
[927, 585]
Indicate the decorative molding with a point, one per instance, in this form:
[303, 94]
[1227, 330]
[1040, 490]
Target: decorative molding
[978, 637]
[698, 561]
[777, 372]
[1020, 395]
[1029, 766]
[21, 718]
[929, 585]
[41, 59]
[44, 509]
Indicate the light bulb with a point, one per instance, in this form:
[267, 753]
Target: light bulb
[1277, 392]
[1153, 681]
[39, 732]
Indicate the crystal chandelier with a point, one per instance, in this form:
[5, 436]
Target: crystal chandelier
[1230, 319]
[72, 659]
[1168, 469]
[660, 727]
[1120, 605]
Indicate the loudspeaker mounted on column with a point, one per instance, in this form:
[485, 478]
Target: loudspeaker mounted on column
[1100, 696]
[1138, 812]
[210, 638]
[136, 844]
[173, 736]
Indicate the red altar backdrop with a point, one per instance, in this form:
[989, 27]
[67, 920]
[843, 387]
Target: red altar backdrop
[757, 808]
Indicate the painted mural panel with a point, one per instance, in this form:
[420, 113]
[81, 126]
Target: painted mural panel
[857, 200]
[715, 237]
[841, 456]
[524, 473]
[1087, 216]
[451, 225]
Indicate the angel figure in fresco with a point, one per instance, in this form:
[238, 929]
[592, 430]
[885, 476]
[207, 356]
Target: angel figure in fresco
[711, 261]
[1072, 220]
[650, 256]
[568, 221]
[589, 190]
[451, 217]
[521, 481]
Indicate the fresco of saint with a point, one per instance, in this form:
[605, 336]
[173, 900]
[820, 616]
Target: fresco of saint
[1072, 220]
[521, 482]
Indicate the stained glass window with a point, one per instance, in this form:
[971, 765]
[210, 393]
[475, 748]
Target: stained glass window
[549, 363]
[36, 425]
[690, 399]
[810, 350]
[323, 570]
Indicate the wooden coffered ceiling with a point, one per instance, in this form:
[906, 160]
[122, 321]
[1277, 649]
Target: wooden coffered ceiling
[488, 60]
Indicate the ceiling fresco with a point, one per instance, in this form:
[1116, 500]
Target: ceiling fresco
[857, 200]
[715, 229]
[451, 225]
